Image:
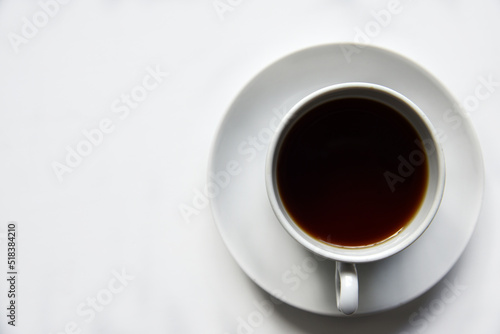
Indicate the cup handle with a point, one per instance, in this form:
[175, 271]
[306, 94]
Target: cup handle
[346, 287]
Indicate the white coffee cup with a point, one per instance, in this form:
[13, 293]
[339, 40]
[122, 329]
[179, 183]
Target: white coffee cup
[346, 285]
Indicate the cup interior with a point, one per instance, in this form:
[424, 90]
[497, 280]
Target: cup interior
[435, 181]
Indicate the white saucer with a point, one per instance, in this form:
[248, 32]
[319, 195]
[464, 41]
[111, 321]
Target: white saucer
[255, 238]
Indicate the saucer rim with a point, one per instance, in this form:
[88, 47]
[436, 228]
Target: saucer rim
[472, 137]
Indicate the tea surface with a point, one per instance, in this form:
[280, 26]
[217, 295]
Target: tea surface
[351, 172]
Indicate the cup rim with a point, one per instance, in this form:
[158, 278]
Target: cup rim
[348, 254]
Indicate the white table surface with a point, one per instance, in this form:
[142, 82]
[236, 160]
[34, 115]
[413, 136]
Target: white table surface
[105, 249]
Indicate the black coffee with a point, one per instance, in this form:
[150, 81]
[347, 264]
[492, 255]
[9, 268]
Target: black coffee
[352, 172]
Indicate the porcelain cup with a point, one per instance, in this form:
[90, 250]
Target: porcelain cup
[346, 283]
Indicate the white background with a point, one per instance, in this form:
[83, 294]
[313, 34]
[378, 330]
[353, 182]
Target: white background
[118, 211]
